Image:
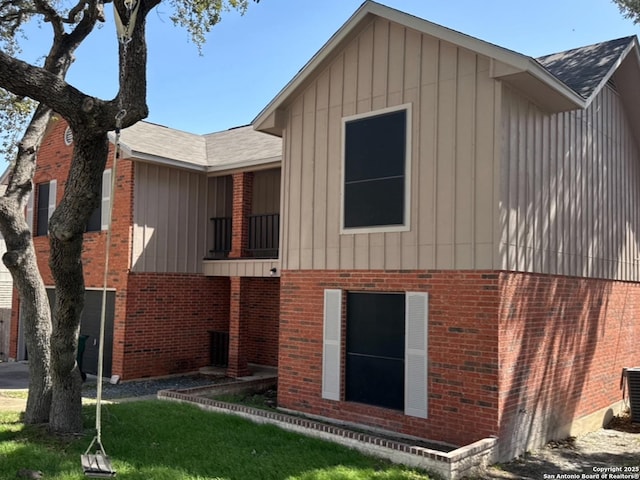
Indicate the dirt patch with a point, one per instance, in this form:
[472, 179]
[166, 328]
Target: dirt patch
[617, 445]
[11, 402]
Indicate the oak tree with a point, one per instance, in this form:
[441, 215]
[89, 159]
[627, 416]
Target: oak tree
[55, 382]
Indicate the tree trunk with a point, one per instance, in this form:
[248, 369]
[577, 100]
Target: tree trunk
[20, 259]
[66, 228]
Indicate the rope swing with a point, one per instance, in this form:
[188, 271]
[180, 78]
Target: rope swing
[98, 465]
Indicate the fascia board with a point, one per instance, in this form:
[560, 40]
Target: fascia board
[261, 164]
[169, 162]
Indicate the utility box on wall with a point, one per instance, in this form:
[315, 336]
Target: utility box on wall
[633, 387]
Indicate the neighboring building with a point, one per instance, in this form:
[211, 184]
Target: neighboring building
[6, 289]
[444, 244]
[460, 233]
[172, 216]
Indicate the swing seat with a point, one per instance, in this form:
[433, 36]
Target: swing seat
[97, 466]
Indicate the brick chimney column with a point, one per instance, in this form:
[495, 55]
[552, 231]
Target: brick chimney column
[242, 196]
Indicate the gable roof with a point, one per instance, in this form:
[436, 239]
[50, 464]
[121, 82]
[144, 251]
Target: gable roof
[586, 69]
[547, 80]
[230, 149]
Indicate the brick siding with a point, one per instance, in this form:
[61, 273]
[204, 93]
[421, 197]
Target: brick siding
[169, 317]
[503, 347]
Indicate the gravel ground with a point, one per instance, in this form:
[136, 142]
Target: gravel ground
[616, 447]
[143, 388]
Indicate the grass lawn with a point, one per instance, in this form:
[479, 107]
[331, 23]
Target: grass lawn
[155, 440]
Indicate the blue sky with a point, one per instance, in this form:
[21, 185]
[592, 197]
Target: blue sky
[248, 59]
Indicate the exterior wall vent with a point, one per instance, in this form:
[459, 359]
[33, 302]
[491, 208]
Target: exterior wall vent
[68, 136]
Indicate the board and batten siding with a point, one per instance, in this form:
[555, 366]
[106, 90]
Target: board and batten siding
[454, 155]
[170, 220]
[570, 195]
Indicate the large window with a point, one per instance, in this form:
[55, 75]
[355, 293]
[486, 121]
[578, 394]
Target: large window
[375, 349]
[385, 350]
[376, 152]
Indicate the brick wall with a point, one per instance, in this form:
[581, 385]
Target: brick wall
[510, 354]
[463, 350]
[54, 158]
[563, 344]
[168, 322]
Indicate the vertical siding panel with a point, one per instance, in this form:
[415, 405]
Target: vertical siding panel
[137, 246]
[511, 188]
[545, 186]
[485, 151]
[321, 178]
[380, 64]
[334, 187]
[413, 53]
[365, 86]
[427, 176]
[162, 233]
[175, 209]
[294, 182]
[395, 72]
[307, 179]
[350, 83]
[464, 160]
[365, 65]
[529, 194]
[445, 195]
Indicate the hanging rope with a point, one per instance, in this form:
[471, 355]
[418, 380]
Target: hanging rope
[98, 465]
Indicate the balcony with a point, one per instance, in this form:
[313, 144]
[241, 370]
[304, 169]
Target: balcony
[263, 237]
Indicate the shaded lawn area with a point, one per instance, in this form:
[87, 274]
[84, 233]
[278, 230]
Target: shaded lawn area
[154, 440]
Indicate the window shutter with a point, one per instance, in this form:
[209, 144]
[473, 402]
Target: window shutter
[29, 214]
[331, 344]
[52, 197]
[416, 336]
[106, 199]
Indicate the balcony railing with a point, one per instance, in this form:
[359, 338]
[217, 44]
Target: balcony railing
[221, 237]
[264, 235]
[263, 241]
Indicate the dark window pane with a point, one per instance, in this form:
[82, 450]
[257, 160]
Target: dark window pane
[374, 370]
[375, 381]
[375, 147]
[374, 203]
[375, 324]
[42, 214]
[95, 220]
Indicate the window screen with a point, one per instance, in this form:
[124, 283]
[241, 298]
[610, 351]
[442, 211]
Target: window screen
[375, 358]
[374, 170]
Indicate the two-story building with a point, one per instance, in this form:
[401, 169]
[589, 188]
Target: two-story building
[428, 235]
[194, 270]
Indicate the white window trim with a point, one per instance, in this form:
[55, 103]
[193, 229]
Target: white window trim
[406, 225]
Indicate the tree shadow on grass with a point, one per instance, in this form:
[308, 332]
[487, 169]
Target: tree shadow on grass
[167, 441]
